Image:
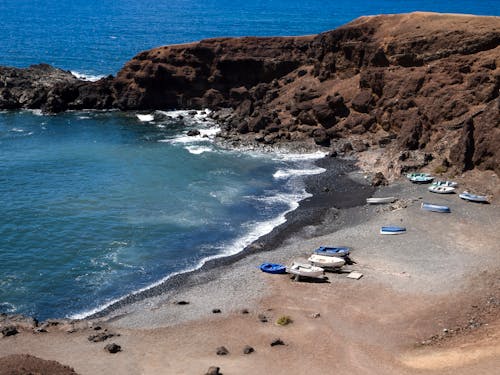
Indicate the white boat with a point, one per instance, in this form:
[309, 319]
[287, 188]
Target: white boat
[326, 261]
[380, 200]
[473, 197]
[419, 178]
[445, 183]
[306, 270]
[441, 189]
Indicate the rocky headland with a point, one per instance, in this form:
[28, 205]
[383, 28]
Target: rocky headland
[420, 89]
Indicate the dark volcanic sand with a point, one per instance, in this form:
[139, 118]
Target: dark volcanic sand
[331, 190]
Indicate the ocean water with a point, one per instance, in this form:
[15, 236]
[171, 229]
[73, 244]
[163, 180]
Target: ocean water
[97, 205]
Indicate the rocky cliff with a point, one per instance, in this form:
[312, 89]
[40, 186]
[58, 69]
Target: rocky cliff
[422, 87]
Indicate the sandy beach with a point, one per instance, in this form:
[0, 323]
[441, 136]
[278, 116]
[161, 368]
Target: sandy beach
[428, 301]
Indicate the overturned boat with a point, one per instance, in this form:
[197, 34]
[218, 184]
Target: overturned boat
[380, 200]
[305, 270]
[392, 230]
[473, 197]
[326, 261]
[341, 251]
[435, 208]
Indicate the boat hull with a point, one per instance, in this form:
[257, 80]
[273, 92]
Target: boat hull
[441, 189]
[435, 208]
[392, 230]
[380, 200]
[273, 268]
[473, 197]
[332, 251]
[306, 270]
[326, 261]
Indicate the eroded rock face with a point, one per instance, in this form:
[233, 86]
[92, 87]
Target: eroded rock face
[422, 82]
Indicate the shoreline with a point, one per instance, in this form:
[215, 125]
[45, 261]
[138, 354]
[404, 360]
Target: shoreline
[424, 301]
[327, 193]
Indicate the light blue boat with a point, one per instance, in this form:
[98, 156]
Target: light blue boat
[392, 230]
[474, 198]
[422, 178]
[332, 251]
[435, 208]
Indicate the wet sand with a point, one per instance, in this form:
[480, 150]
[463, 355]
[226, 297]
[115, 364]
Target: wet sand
[428, 302]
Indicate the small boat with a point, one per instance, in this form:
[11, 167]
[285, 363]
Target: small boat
[381, 200]
[473, 198]
[332, 251]
[306, 270]
[392, 230]
[326, 261]
[273, 268]
[421, 178]
[441, 189]
[435, 208]
[445, 183]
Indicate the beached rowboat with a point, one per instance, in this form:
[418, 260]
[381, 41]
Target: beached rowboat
[380, 200]
[421, 178]
[435, 208]
[326, 261]
[306, 270]
[445, 183]
[273, 268]
[332, 251]
[474, 198]
[441, 189]
[392, 230]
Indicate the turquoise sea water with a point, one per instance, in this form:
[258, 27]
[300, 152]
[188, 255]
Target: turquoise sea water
[96, 205]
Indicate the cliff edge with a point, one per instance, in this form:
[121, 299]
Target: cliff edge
[423, 87]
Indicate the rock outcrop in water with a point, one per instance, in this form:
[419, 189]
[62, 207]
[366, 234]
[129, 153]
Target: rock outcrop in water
[422, 87]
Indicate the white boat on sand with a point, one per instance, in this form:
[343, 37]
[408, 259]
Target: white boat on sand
[380, 200]
[441, 189]
[326, 261]
[306, 270]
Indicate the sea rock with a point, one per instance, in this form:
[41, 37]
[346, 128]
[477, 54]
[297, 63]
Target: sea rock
[415, 78]
[213, 370]
[262, 318]
[101, 336]
[277, 341]
[9, 331]
[113, 348]
[222, 350]
[379, 179]
[248, 349]
[193, 132]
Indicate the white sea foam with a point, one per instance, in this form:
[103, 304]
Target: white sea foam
[255, 230]
[145, 118]
[87, 77]
[196, 150]
[286, 173]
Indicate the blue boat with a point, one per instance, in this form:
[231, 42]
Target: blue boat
[333, 251]
[273, 268]
[392, 230]
[435, 208]
[474, 198]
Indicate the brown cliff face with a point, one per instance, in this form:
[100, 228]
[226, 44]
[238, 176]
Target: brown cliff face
[418, 85]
